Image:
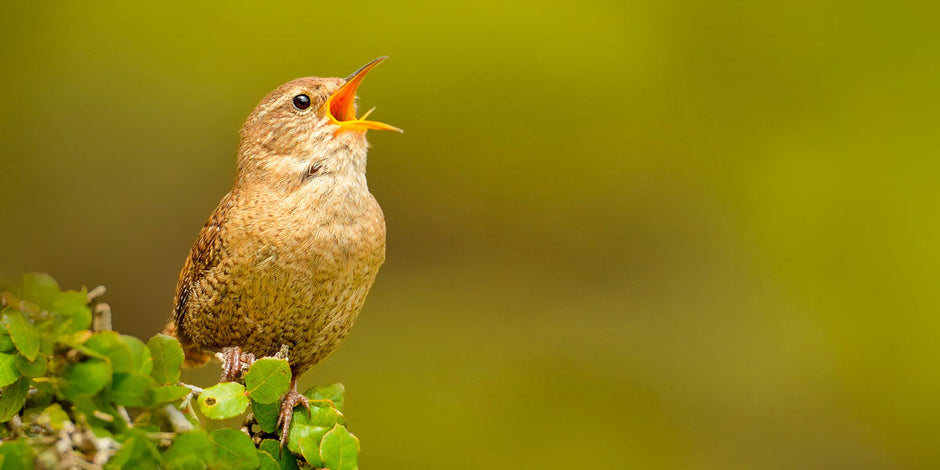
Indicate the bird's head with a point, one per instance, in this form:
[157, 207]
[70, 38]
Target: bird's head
[307, 127]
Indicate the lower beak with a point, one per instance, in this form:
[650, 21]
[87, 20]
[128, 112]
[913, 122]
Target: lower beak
[341, 105]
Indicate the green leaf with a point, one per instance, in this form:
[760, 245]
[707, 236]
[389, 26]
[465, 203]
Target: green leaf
[223, 400]
[32, 368]
[84, 379]
[285, 460]
[102, 404]
[186, 462]
[111, 345]
[94, 411]
[309, 446]
[40, 288]
[23, 333]
[323, 416]
[54, 416]
[28, 308]
[8, 370]
[326, 416]
[339, 449]
[168, 393]
[268, 462]
[47, 344]
[16, 455]
[233, 450]
[189, 445]
[136, 452]
[13, 399]
[167, 359]
[268, 379]
[72, 307]
[129, 389]
[100, 431]
[334, 393]
[311, 425]
[266, 414]
[272, 447]
[303, 432]
[6, 343]
[140, 353]
[75, 340]
[46, 386]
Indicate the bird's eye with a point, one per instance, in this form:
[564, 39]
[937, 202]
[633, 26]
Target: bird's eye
[301, 102]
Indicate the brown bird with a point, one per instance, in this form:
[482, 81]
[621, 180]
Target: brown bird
[288, 256]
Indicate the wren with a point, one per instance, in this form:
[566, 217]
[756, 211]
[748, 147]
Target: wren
[287, 258]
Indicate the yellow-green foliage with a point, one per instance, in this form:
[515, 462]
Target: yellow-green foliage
[74, 395]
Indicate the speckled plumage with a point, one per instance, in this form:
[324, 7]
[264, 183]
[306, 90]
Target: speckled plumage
[288, 256]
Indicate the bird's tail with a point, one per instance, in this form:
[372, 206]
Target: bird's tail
[193, 356]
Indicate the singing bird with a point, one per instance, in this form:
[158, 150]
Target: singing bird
[289, 254]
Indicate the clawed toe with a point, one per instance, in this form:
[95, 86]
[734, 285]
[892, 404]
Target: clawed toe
[234, 363]
[292, 399]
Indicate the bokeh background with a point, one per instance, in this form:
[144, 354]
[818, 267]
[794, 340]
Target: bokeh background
[622, 234]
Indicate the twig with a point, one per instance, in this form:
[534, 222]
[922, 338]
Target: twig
[16, 425]
[187, 403]
[102, 317]
[177, 419]
[123, 412]
[196, 391]
[95, 293]
[105, 447]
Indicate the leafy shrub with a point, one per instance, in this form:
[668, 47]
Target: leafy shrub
[73, 397]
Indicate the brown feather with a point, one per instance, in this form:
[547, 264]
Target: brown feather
[289, 255]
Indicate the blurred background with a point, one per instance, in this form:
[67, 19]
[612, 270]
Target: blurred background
[621, 234]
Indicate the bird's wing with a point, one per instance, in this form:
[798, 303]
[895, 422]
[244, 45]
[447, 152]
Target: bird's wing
[204, 256]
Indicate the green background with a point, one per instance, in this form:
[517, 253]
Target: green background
[683, 235]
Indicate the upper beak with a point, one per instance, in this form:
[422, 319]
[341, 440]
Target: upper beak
[341, 105]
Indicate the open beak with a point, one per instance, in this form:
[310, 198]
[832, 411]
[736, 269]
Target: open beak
[341, 105]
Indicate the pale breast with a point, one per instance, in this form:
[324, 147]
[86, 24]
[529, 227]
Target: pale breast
[306, 269]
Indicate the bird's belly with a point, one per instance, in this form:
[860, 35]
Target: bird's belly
[309, 317]
[304, 291]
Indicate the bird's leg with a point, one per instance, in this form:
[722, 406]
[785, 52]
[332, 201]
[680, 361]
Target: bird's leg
[292, 399]
[230, 363]
[234, 362]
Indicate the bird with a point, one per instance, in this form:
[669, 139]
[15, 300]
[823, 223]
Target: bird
[284, 263]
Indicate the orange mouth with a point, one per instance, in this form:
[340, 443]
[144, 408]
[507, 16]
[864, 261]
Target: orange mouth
[341, 105]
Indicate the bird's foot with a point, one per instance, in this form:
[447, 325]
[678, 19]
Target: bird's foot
[234, 363]
[292, 399]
